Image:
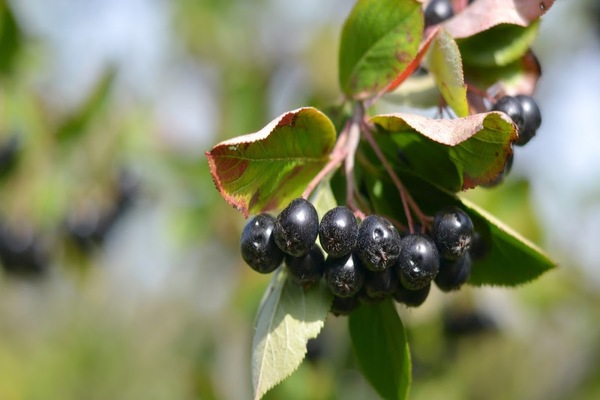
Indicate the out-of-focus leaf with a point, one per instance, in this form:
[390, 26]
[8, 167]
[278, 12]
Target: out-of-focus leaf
[416, 91]
[379, 40]
[11, 38]
[78, 123]
[444, 62]
[288, 316]
[498, 46]
[263, 171]
[455, 154]
[381, 349]
[481, 15]
[518, 77]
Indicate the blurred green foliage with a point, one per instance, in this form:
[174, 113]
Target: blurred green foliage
[160, 306]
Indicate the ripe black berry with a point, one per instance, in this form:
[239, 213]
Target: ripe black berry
[480, 246]
[257, 245]
[532, 119]
[307, 269]
[418, 263]
[453, 274]
[511, 107]
[452, 232]
[378, 244]
[343, 305]
[297, 227]
[411, 298]
[344, 276]
[338, 231]
[379, 285]
[438, 11]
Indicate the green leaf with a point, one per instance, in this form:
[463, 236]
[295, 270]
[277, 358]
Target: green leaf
[11, 39]
[288, 316]
[512, 259]
[263, 171]
[518, 77]
[454, 154]
[77, 124]
[381, 349]
[379, 40]
[498, 46]
[444, 62]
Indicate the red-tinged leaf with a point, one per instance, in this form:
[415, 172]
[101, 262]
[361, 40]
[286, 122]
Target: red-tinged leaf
[455, 154]
[263, 171]
[445, 64]
[484, 14]
[379, 40]
[414, 64]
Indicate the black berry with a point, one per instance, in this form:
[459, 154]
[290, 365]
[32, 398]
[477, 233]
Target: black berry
[343, 305]
[480, 246]
[297, 227]
[257, 245]
[338, 231]
[532, 119]
[411, 298]
[452, 232]
[307, 269]
[438, 11]
[379, 285]
[344, 276]
[453, 274]
[511, 107]
[418, 263]
[378, 244]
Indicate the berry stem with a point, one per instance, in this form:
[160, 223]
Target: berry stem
[408, 203]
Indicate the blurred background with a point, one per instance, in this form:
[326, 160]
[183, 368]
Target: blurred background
[121, 277]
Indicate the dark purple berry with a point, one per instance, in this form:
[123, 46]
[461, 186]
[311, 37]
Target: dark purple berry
[338, 231]
[532, 119]
[452, 232]
[411, 298]
[343, 305]
[379, 285]
[344, 276]
[418, 263]
[257, 245]
[378, 244]
[307, 269]
[297, 227]
[453, 274]
[438, 11]
[511, 107]
[467, 323]
[480, 247]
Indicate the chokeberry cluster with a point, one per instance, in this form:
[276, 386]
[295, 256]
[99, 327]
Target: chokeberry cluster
[361, 262]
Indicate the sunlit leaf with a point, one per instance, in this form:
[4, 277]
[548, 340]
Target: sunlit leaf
[498, 46]
[263, 171]
[379, 40]
[287, 317]
[445, 63]
[455, 154]
[481, 15]
[381, 349]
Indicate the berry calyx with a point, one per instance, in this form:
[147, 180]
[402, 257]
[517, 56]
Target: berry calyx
[452, 232]
[338, 231]
[453, 274]
[510, 106]
[438, 11]
[257, 244]
[532, 119]
[297, 227]
[307, 269]
[411, 298]
[418, 262]
[378, 244]
[344, 276]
